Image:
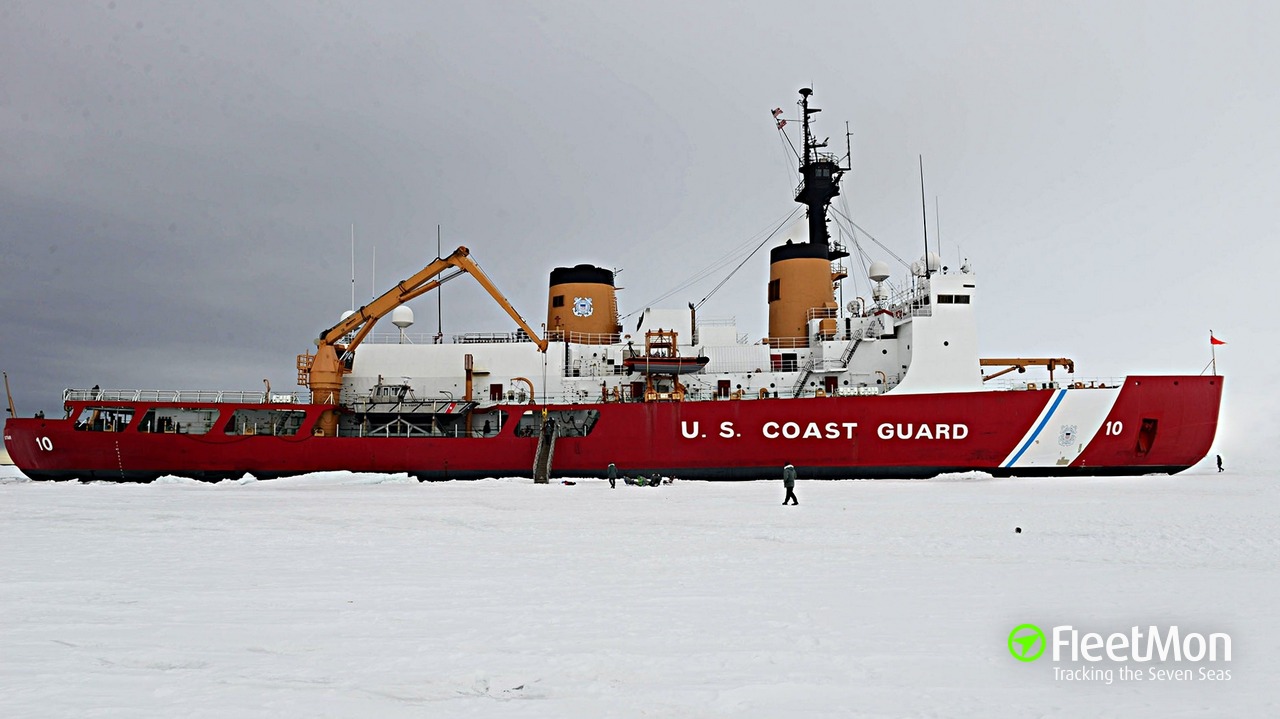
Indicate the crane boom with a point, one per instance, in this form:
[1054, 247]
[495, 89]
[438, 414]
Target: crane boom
[322, 372]
[416, 286]
[1020, 364]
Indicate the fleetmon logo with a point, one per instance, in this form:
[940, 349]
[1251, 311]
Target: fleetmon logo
[1026, 642]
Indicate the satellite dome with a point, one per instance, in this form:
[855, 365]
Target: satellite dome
[402, 317]
[879, 271]
[345, 315]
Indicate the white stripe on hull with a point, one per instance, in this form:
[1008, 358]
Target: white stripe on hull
[1066, 425]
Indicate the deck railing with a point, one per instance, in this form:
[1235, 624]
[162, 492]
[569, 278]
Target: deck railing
[195, 396]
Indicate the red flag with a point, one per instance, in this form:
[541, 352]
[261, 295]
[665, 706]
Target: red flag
[1214, 340]
[777, 111]
[782, 124]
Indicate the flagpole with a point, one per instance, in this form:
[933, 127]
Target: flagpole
[1213, 354]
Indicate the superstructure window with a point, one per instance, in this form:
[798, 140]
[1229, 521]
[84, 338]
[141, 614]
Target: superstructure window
[104, 419]
[568, 423]
[179, 420]
[279, 423]
[557, 300]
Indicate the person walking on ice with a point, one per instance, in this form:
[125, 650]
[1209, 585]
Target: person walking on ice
[789, 481]
[613, 475]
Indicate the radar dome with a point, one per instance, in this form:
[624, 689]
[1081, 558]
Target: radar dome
[402, 317]
[345, 315]
[879, 271]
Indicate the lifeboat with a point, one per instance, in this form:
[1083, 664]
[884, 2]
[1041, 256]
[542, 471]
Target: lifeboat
[664, 365]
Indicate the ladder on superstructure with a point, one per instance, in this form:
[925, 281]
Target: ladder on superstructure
[848, 351]
[805, 374]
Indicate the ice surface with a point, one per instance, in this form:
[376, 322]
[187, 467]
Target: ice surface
[357, 595]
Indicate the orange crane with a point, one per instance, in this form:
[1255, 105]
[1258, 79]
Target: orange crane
[1020, 364]
[322, 372]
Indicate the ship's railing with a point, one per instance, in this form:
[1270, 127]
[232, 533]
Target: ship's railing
[590, 367]
[181, 395]
[468, 338]
[780, 343]
[472, 338]
[404, 338]
[1068, 382]
[916, 307]
[593, 338]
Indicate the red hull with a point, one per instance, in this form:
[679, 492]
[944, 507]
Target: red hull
[1151, 424]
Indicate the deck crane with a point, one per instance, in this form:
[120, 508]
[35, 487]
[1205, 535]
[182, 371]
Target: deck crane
[322, 372]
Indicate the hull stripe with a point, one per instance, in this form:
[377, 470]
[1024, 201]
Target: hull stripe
[1039, 427]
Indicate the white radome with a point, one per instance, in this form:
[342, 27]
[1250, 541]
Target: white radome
[402, 317]
[879, 271]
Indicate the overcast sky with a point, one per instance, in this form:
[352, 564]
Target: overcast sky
[178, 181]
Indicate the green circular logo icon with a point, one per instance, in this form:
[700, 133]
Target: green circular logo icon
[1026, 642]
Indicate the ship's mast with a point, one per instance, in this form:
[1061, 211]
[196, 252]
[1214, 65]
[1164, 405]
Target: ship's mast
[820, 174]
[802, 276]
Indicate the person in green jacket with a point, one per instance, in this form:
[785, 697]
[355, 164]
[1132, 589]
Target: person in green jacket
[789, 481]
[613, 476]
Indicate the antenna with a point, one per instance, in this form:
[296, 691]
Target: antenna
[848, 147]
[924, 215]
[373, 275]
[439, 298]
[353, 267]
[937, 227]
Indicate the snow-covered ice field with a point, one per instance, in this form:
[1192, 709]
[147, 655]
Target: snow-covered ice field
[372, 596]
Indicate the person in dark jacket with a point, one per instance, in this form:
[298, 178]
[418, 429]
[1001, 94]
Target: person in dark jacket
[789, 481]
[613, 476]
